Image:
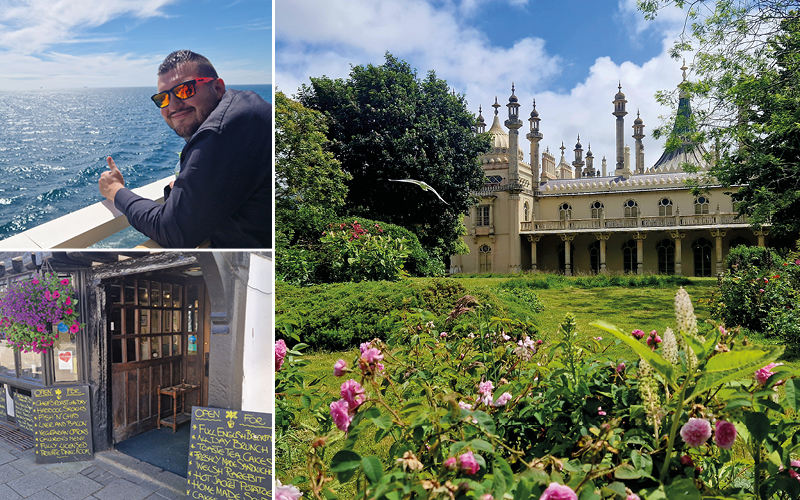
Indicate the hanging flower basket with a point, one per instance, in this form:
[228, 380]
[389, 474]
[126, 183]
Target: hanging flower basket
[30, 308]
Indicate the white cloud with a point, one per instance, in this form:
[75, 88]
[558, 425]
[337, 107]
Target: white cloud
[30, 26]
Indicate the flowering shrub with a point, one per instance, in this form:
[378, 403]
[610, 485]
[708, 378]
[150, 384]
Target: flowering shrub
[354, 254]
[474, 407]
[31, 308]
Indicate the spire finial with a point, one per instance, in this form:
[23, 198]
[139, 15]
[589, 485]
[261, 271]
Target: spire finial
[637, 112]
[579, 137]
[684, 68]
[562, 148]
[495, 105]
[620, 86]
[534, 103]
[512, 87]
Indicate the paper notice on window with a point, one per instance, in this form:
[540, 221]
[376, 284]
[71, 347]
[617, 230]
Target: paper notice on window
[65, 360]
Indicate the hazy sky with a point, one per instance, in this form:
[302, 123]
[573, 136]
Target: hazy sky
[120, 43]
[569, 56]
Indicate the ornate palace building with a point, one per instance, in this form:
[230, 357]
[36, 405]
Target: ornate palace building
[577, 218]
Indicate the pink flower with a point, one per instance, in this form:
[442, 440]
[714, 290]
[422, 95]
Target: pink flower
[620, 367]
[364, 346]
[68, 301]
[763, 374]
[339, 367]
[761, 290]
[600, 411]
[558, 492]
[724, 434]
[65, 281]
[633, 496]
[287, 492]
[371, 355]
[450, 463]
[485, 390]
[639, 334]
[68, 312]
[47, 294]
[340, 413]
[55, 294]
[503, 399]
[35, 281]
[465, 406]
[39, 328]
[696, 432]
[487, 496]
[280, 353]
[653, 340]
[353, 393]
[468, 463]
[74, 327]
[443, 335]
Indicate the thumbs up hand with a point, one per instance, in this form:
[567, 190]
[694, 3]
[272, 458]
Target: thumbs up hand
[111, 181]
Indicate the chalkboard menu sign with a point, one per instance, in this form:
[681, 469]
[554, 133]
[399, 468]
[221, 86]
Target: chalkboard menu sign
[23, 411]
[63, 424]
[229, 455]
[3, 411]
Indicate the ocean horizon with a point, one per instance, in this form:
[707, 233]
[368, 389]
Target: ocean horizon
[53, 145]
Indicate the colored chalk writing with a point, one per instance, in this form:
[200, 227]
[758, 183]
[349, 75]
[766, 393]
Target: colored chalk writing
[230, 455]
[63, 424]
[23, 411]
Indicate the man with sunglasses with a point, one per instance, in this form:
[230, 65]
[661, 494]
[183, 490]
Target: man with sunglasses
[223, 193]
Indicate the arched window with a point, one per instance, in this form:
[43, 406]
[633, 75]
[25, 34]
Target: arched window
[666, 256]
[594, 256]
[629, 262]
[702, 257]
[526, 212]
[485, 258]
[597, 209]
[701, 205]
[630, 208]
[740, 240]
[564, 211]
[665, 207]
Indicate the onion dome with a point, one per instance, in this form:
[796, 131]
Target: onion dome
[619, 95]
[513, 97]
[578, 145]
[534, 113]
[638, 120]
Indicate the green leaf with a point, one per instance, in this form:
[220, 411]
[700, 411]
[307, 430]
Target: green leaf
[523, 491]
[305, 401]
[383, 422]
[344, 464]
[662, 366]
[697, 347]
[758, 425]
[485, 421]
[615, 488]
[373, 469]
[793, 394]
[683, 489]
[481, 445]
[728, 366]
[627, 471]
[502, 470]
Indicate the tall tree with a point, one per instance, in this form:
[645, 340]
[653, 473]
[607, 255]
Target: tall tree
[386, 123]
[746, 99]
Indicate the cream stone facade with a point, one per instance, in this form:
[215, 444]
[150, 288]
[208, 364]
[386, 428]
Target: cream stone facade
[576, 218]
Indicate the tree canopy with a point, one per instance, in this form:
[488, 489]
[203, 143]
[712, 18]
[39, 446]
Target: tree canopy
[386, 123]
[747, 101]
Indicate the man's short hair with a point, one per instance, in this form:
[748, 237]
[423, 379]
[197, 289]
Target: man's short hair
[172, 61]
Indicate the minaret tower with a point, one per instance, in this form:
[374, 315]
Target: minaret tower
[638, 134]
[619, 112]
[535, 136]
[513, 124]
[578, 163]
[590, 162]
[481, 124]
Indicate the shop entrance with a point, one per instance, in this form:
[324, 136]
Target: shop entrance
[156, 340]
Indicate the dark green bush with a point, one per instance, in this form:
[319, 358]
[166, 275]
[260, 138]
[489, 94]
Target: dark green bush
[741, 257]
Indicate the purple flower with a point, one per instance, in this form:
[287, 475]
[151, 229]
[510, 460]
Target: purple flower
[763, 374]
[340, 413]
[638, 334]
[280, 353]
[339, 368]
[468, 463]
[353, 393]
[696, 432]
[724, 434]
[558, 492]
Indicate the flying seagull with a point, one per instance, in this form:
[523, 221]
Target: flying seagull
[423, 185]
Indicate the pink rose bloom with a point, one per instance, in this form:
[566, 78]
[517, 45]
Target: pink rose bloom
[353, 393]
[450, 463]
[620, 367]
[468, 463]
[68, 301]
[74, 327]
[372, 355]
[487, 496]
[558, 492]
[340, 413]
[633, 496]
[364, 346]
[639, 334]
[338, 368]
[696, 432]
[465, 406]
[280, 353]
[503, 399]
[443, 335]
[724, 434]
[763, 374]
[485, 390]
[287, 492]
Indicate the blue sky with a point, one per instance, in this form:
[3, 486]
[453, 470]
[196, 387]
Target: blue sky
[569, 56]
[120, 43]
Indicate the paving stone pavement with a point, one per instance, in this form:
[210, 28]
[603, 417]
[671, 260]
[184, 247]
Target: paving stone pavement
[110, 476]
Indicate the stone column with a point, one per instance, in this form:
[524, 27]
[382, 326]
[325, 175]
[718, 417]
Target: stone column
[718, 234]
[567, 239]
[678, 237]
[761, 233]
[534, 239]
[515, 252]
[639, 237]
[602, 238]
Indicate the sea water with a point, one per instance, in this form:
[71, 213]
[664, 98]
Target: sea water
[54, 144]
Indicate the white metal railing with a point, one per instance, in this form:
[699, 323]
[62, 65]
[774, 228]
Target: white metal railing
[85, 227]
[662, 222]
